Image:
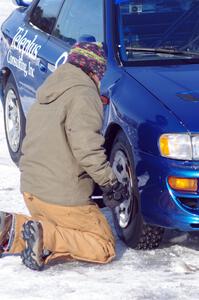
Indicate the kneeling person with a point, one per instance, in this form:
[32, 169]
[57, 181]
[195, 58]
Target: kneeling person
[63, 156]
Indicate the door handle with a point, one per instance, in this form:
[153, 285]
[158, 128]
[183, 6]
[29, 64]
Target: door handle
[43, 66]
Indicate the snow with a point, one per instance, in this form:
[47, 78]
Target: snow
[170, 272]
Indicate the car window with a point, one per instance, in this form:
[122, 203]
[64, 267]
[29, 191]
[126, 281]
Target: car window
[154, 24]
[79, 18]
[45, 14]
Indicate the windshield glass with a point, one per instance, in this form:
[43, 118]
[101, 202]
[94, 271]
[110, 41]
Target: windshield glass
[158, 29]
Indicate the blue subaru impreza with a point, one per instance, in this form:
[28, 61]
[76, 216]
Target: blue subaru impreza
[150, 93]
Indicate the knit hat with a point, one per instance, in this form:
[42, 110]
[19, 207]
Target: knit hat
[90, 57]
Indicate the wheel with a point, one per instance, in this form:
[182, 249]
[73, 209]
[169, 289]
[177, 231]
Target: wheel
[14, 120]
[128, 219]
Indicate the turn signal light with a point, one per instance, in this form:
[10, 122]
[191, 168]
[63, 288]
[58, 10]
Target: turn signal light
[183, 184]
[164, 145]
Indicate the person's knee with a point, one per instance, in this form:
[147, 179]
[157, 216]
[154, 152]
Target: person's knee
[105, 252]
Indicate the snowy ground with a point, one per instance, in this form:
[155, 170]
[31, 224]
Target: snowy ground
[169, 273]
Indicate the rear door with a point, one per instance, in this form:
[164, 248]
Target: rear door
[34, 33]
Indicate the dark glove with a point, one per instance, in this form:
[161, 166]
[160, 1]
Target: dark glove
[114, 194]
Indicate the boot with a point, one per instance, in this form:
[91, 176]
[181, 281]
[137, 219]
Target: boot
[6, 233]
[32, 256]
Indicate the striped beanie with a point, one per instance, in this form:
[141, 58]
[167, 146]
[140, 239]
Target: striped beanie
[90, 57]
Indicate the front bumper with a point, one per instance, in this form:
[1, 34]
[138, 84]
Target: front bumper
[159, 203]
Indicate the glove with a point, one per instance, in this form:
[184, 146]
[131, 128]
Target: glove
[114, 194]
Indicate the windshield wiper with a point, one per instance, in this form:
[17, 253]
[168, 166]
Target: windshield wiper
[164, 51]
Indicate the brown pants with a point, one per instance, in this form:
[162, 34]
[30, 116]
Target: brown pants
[80, 232]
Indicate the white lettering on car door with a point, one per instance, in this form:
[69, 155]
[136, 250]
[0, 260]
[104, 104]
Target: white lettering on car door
[24, 46]
[61, 60]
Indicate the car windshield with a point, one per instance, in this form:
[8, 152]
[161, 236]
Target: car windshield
[157, 29]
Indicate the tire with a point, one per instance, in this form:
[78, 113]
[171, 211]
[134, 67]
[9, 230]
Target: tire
[14, 120]
[128, 219]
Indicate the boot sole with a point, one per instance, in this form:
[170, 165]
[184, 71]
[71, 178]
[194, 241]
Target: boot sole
[6, 230]
[28, 254]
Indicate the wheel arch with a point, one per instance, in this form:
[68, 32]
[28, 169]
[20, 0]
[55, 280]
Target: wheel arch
[110, 135]
[6, 74]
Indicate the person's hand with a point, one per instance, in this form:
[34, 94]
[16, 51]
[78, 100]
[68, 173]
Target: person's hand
[114, 194]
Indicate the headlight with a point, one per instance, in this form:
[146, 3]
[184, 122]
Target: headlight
[178, 146]
[195, 146]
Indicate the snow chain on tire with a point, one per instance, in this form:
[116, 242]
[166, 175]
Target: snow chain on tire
[150, 238]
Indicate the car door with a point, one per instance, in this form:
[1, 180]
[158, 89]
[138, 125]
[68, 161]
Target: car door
[78, 21]
[35, 32]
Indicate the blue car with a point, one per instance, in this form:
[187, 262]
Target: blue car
[150, 94]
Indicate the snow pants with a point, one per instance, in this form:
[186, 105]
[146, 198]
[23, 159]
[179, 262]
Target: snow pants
[78, 232]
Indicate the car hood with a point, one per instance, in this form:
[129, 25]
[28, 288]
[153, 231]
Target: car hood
[177, 87]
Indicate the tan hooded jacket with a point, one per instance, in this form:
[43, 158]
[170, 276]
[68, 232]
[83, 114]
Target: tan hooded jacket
[63, 149]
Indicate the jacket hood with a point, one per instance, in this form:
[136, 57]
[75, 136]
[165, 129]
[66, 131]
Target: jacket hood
[64, 78]
[176, 87]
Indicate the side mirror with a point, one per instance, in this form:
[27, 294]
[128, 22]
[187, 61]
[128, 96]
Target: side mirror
[87, 38]
[24, 3]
